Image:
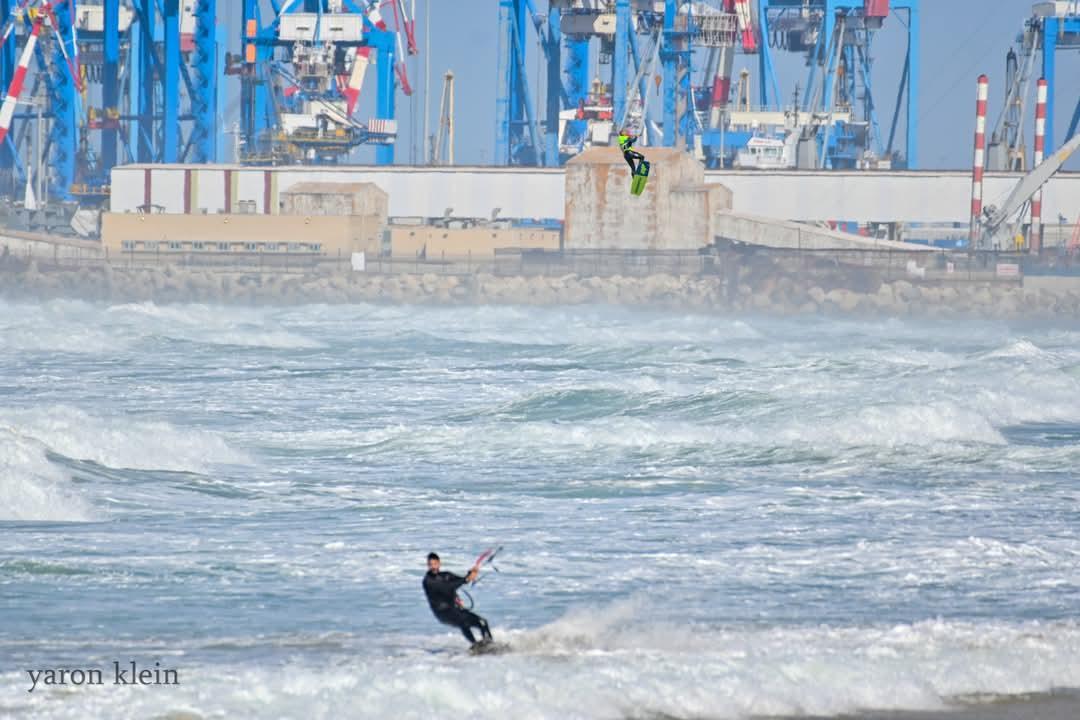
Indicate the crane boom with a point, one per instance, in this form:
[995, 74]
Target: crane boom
[7, 111]
[1030, 183]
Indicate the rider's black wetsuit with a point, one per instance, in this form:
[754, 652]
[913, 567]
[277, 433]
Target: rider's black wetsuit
[632, 157]
[441, 590]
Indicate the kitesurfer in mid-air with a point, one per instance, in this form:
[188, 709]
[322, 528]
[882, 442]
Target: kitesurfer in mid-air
[441, 588]
[626, 144]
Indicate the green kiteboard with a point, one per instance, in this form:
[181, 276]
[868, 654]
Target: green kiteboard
[637, 184]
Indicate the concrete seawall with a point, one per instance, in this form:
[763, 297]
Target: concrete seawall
[49, 247]
[759, 286]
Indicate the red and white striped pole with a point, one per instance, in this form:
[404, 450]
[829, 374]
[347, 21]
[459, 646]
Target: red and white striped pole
[356, 78]
[375, 16]
[1035, 237]
[16, 14]
[721, 89]
[7, 110]
[746, 25]
[361, 61]
[980, 159]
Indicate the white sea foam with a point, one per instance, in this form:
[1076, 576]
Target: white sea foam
[120, 442]
[83, 328]
[895, 425]
[612, 662]
[62, 326]
[887, 426]
[245, 327]
[1021, 349]
[31, 487]
[587, 328]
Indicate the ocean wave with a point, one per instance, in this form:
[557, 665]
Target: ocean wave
[58, 326]
[120, 442]
[77, 327]
[31, 487]
[203, 324]
[640, 397]
[1020, 349]
[890, 426]
[897, 425]
[586, 328]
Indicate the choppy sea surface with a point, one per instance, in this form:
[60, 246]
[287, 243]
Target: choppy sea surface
[703, 517]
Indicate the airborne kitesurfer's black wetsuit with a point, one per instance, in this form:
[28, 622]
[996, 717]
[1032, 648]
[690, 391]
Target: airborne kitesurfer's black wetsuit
[441, 590]
[632, 157]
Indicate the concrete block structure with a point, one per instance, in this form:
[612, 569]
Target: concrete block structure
[329, 198]
[674, 213]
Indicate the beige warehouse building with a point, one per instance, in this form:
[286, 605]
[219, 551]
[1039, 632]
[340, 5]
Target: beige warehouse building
[321, 219]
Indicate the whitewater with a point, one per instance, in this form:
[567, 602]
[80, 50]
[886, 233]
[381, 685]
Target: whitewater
[703, 516]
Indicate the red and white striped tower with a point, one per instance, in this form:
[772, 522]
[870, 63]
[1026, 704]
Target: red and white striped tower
[356, 77]
[980, 159]
[361, 61]
[1035, 237]
[721, 89]
[7, 110]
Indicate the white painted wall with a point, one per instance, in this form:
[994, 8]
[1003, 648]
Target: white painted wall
[167, 190]
[209, 191]
[250, 187]
[931, 197]
[539, 193]
[470, 192]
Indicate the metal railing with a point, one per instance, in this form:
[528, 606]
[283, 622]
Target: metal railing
[720, 30]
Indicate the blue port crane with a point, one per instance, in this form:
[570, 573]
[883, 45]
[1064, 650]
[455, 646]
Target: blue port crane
[116, 81]
[637, 42]
[301, 70]
[836, 38]
[1058, 28]
[583, 106]
[1051, 29]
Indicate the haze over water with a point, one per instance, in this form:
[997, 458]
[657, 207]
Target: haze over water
[703, 516]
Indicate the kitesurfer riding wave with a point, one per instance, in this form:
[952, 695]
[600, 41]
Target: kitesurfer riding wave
[441, 588]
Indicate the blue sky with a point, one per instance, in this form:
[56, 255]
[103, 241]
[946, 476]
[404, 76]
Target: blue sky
[960, 40]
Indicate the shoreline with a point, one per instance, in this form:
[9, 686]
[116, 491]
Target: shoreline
[1058, 704]
[762, 289]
